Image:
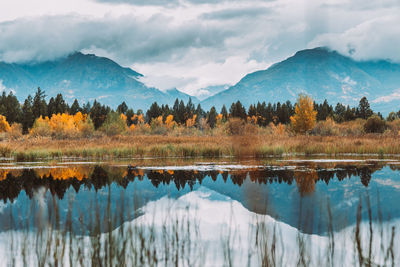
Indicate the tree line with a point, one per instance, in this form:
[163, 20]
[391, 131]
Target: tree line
[261, 113]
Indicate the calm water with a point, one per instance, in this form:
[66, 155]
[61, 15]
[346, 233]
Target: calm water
[305, 194]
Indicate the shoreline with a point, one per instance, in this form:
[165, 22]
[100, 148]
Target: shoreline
[156, 146]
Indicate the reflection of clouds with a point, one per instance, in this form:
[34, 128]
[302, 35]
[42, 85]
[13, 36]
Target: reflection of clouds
[388, 182]
[40, 197]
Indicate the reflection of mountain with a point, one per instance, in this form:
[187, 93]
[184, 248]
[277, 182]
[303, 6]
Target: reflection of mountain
[277, 191]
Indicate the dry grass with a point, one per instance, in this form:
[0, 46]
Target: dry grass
[260, 144]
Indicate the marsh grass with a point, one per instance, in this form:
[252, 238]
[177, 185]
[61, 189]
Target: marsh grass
[260, 145]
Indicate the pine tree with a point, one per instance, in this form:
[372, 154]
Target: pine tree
[237, 110]
[224, 113]
[153, 112]
[340, 112]
[364, 110]
[39, 106]
[10, 107]
[212, 117]
[27, 115]
[75, 108]
[122, 108]
[60, 105]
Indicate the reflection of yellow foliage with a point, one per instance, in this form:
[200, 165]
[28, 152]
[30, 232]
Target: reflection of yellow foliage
[79, 173]
[306, 181]
[171, 172]
[4, 173]
[305, 116]
[4, 126]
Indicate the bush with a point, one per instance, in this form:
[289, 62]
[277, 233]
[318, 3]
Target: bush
[375, 124]
[113, 125]
[326, 128]
[15, 131]
[86, 128]
[235, 126]
[40, 127]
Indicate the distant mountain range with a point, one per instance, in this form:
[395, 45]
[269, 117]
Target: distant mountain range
[85, 77]
[322, 74]
[319, 72]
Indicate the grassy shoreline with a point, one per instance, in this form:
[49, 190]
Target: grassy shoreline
[258, 146]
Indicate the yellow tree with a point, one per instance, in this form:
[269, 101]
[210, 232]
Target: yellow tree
[4, 126]
[305, 116]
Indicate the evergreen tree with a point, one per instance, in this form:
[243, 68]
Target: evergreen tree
[129, 114]
[252, 111]
[224, 113]
[75, 108]
[212, 117]
[364, 110]
[60, 105]
[98, 113]
[199, 114]
[27, 115]
[51, 107]
[237, 110]
[122, 108]
[189, 110]
[153, 112]
[39, 106]
[10, 108]
[340, 112]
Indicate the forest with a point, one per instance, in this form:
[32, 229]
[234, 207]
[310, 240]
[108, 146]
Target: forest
[38, 128]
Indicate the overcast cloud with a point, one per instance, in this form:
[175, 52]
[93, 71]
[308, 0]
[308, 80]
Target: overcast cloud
[192, 44]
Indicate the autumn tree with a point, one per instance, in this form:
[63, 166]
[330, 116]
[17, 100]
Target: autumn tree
[305, 116]
[4, 126]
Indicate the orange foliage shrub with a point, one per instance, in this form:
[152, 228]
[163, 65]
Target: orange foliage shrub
[169, 122]
[192, 121]
[4, 126]
[62, 125]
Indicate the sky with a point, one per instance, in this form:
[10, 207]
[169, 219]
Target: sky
[193, 44]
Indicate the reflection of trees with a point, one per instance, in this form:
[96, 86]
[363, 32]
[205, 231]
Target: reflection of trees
[306, 181]
[57, 182]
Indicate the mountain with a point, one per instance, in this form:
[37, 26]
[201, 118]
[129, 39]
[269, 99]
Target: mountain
[85, 77]
[322, 74]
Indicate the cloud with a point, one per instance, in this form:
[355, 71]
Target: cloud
[388, 98]
[192, 44]
[377, 38]
[235, 13]
[125, 38]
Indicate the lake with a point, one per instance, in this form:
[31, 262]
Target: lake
[196, 212]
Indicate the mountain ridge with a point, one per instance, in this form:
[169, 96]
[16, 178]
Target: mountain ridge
[321, 73]
[85, 77]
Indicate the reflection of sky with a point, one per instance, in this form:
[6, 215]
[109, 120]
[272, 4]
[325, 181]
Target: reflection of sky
[282, 201]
